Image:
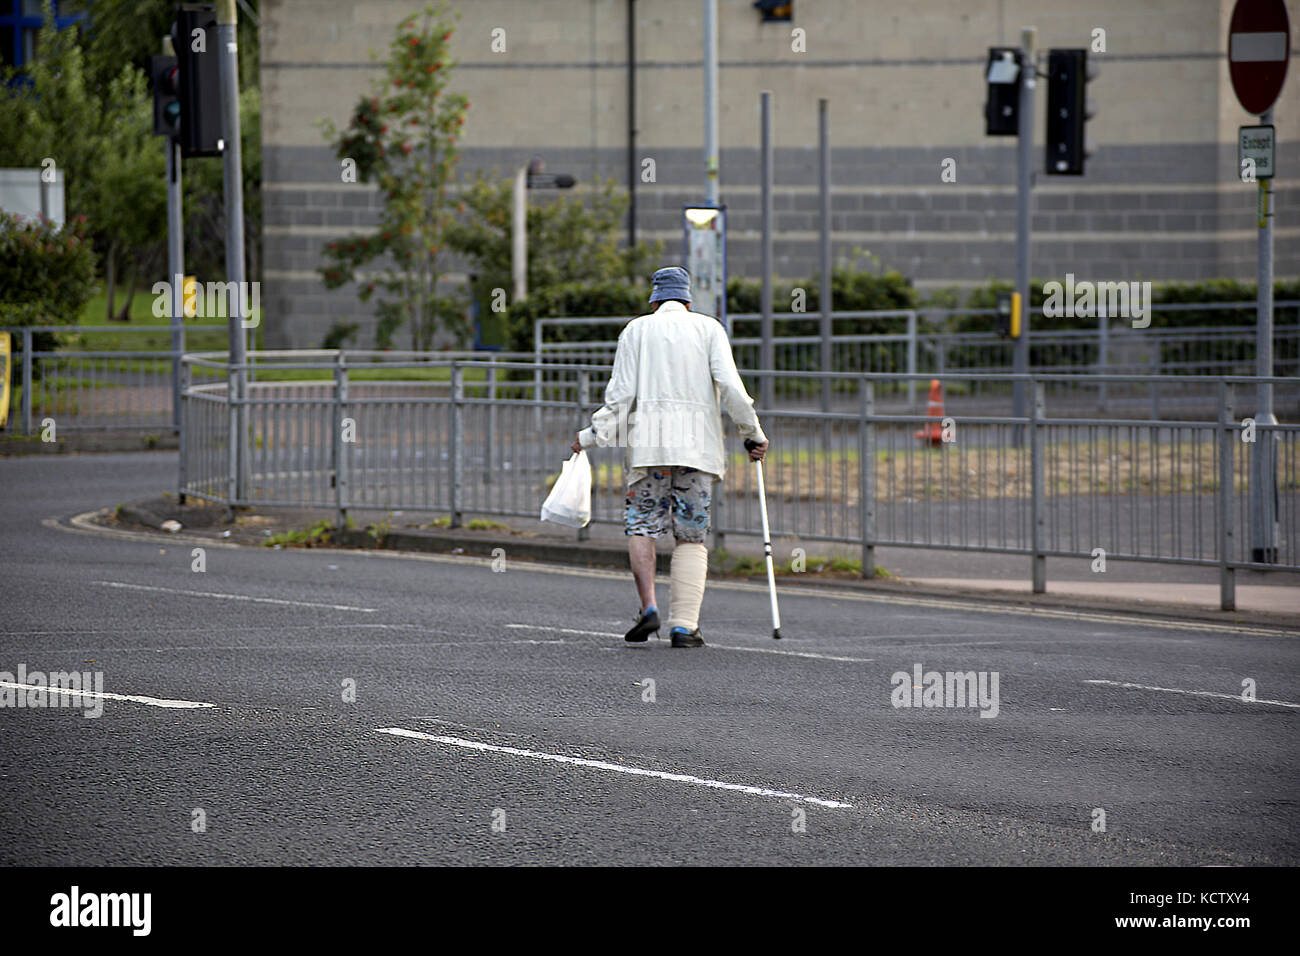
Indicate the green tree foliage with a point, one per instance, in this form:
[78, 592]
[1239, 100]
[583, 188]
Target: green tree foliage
[84, 102]
[576, 266]
[593, 297]
[120, 32]
[403, 138]
[853, 289]
[99, 140]
[46, 273]
[96, 125]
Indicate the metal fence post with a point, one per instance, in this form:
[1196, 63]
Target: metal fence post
[340, 447]
[1227, 448]
[491, 419]
[867, 477]
[27, 381]
[457, 442]
[232, 427]
[911, 357]
[1155, 385]
[1037, 503]
[584, 383]
[537, 377]
[182, 408]
[1103, 355]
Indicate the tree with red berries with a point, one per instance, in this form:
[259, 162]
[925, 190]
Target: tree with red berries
[403, 138]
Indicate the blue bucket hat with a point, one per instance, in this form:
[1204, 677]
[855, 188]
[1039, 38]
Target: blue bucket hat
[673, 282]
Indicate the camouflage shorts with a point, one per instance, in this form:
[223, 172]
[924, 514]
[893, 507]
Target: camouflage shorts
[675, 499]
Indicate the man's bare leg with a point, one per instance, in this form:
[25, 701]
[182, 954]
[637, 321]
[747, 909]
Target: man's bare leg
[641, 555]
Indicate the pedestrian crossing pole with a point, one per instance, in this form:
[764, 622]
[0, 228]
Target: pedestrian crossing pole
[1024, 197]
[175, 257]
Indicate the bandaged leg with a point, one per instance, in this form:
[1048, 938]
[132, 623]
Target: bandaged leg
[690, 567]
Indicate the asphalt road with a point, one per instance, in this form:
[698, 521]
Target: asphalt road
[540, 715]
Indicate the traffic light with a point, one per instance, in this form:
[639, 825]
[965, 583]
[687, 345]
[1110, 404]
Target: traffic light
[165, 80]
[1067, 111]
[775, 9]
[1002, 108]
[194, 36]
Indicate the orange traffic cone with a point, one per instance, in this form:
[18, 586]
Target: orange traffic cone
[932, 434]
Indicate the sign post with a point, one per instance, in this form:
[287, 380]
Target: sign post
[705, 251]
[1259, 46]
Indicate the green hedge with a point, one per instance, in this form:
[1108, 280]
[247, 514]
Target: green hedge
[575, 300]
[852, 290]
[47, 275]
[47, 272]
[856, 290]
[1162, 293]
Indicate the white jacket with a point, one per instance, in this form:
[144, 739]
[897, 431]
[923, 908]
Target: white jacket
[673, 374]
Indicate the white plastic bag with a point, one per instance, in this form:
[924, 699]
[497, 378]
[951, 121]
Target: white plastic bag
[569, 502]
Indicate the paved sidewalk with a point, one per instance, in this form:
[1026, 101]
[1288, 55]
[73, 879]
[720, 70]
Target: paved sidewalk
[1142, 585]
[1271, 599]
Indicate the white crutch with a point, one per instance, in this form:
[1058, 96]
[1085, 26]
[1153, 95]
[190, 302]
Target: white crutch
[767, 551]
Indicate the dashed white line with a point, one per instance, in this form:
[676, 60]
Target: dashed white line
[721, 647]
[904, 645]
[616, 768]
[235, 597]
[276, 648]
[130, 698]
[1193, 693]
[83, 524]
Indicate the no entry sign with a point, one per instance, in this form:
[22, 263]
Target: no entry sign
[1259, 46]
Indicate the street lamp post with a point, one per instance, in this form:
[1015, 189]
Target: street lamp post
[532, 176]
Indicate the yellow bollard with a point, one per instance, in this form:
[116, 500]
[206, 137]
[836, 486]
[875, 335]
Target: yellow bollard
[6, 364]
[189, 297]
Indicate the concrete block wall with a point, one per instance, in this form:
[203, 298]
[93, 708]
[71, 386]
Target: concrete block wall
[1160, 200]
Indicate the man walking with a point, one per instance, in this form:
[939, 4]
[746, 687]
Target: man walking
[673, 375]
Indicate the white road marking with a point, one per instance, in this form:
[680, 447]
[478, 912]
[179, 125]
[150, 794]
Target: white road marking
[844, 594]
[563, 630]
[808, 654]
[183, 629]
[236, 597]
[895, 644]
[83, 524]
[131, 698]
[1194, 693]
[721, 647]
[616, 768]
[369, 645]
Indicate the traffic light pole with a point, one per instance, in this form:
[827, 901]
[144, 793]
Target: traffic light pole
[175, 258]
[233, 180]
[1025, 185]
[175, 269]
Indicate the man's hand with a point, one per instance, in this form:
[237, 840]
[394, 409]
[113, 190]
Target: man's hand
[757, 452]
[577, 443]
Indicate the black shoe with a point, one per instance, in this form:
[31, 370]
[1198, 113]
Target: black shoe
[682, 638]
[646, 625]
